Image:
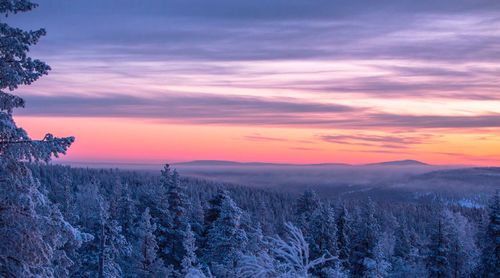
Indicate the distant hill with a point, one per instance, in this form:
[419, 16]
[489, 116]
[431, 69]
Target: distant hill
[224, 163]
[407, 162]
[460, 182]
[235, 163]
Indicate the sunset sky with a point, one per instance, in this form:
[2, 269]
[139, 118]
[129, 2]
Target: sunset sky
[276, 81]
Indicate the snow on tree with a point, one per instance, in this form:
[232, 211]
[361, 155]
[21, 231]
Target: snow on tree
[174, 234]
[406, 260]
[211, 214]
[378, 266]
[343, 239]
[260, 265]
[122, 207]
[490, 257]
[256, 239]
[437, 260]
[464, 253]
[226, 240]
[367, 258]
[285, 258]
[215, 204]
[33, 231]
[296, 253]
[305, 206]
[195, 272]
[111, 245]
[322, 237]
[144, 256]
[101, 256]
[189, 261]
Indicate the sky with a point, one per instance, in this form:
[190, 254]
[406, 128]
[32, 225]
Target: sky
[294, 81]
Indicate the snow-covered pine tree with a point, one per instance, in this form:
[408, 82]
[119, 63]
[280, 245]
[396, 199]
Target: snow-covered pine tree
[364, 256]
[406, 260]
[100, 257]
[32, 229]
[68, 198]
[226, 240]
[190, 261]
[490, 257]
[112, 245]
[343, 237]
[305, 206]
[146, 262]
[256, 242]
[211, 214]
[122, 206]
[178, 229]
[322, 236]
[464, 254]
[437, 260]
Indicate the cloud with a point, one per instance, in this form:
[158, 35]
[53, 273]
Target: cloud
[405, 49]
[225, 30]
[198, 108]
[305, 149]
[258, 137]
[257, 111]
[380, 151]
[381, 141]
[424, 121]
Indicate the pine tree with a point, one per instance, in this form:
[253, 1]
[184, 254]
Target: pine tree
[305, 206]
[226, 240]
[211, 214]
[178, 228]
[323, 231]
[122, 206]
[146, 262]
[437, 260]
[100, 257]
[32, 230]
[112, 245]
[464, 253]
[343, 238]
[490, 257]
[406, 260]
[364, 251]
[189, 261]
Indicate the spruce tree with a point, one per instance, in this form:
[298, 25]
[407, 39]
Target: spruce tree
[437, 260]
[145, 260]
[190, 260]
[364, 250]
[343, 237]
[490, 257]
[32, 229]
[226, 240]
[323, 233]
[305, 206]
[178, 228]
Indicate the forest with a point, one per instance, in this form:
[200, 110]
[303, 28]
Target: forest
[115, 223]
[59, 221]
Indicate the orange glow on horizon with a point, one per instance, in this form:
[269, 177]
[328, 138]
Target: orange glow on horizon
[146, 141]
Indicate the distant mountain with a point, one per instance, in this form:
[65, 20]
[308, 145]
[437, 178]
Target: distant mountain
[407, 162]
[224, 163]
[459, 182]
[235, 163]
